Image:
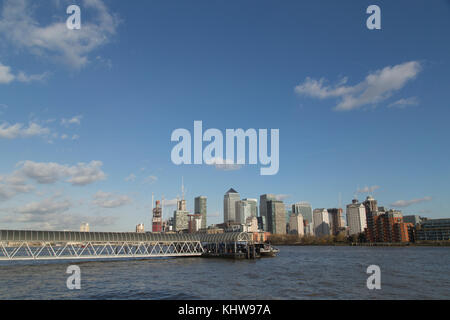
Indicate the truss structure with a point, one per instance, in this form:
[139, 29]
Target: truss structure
[26, 250]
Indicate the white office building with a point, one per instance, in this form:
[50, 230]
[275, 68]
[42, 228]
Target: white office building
[243, 211]
[229, 205]
[321, 222]
[356, 217]
[296, 224]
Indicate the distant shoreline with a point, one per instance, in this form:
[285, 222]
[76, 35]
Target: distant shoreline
[399, 244]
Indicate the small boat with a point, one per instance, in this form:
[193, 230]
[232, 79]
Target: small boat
[268, 251]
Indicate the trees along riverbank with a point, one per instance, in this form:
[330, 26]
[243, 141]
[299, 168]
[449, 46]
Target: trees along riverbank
[342, 240]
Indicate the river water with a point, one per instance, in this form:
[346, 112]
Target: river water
[303, 272]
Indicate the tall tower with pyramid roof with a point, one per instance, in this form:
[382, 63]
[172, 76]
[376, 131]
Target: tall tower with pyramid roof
[229, 205]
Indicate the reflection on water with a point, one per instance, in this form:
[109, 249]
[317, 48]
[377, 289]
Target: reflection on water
[297, 273]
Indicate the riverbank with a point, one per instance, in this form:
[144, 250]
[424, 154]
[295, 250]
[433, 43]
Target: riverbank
[367, 244]
[293, 240]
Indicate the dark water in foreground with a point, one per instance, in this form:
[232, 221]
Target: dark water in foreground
[297, 273]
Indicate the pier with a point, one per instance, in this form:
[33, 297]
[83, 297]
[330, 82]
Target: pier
[72, 245]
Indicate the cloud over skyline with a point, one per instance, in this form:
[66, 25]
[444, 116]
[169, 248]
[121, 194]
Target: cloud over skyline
[375, 88]
[50, 172]
[110, 200]
[407, 203]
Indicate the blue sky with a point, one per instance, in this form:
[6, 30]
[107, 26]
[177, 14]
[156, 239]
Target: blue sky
[82, 110]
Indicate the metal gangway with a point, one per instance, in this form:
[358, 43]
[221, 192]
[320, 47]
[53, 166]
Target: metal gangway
[53, 245]
[69, 245]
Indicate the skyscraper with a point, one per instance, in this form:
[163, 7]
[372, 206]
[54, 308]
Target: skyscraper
[229, 205]
[243, 211]
[305, 209]
[263, 199]
[276, 217]
[356, 217]
[180, 216]
[321, 222]
[201, 208]
[253, 205]
[337, 222]
[296, 224]
[372, 213]
[157, 218]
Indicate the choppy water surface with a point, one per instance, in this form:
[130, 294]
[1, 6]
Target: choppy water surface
[297, 273]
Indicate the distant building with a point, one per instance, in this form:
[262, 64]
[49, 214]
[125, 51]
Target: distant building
[243, 211]
[276, 217]
[263, 199]
[308, 227]
[251, 224]
[84, 227]
[180, 217]
[386, 226]
[167, 226]
[390, 227]
[212, 229]
[140, 228]
[201, 208]
[262, 224]
[253, 205]
[356, 217]
[229, 205]
[194, 222]
[157, 218]
[337, 222]
[434, 229]
[321, 222]
[296, 224]
[288, 217]
[372, 212]
[414, 219]
[305, 209]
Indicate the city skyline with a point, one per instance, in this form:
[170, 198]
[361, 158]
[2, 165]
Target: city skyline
[85, 121]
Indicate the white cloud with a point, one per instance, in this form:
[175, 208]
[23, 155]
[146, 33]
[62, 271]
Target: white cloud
[75, 137]
[367, 189]
[57, 221]
[407, 203]
[11, 185]
[376, 87]
[18, 130]
[131, 177]
[50, 172]
[72, 47]
[6, 76]
[110, 200]
[403, 103]
[45, 206]
[282, 197]
[151, 179]
[73, 120]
